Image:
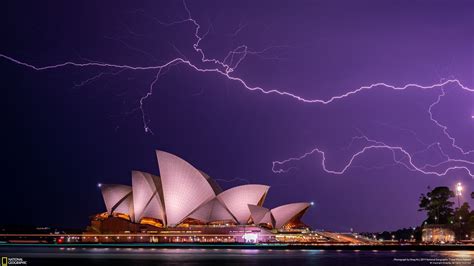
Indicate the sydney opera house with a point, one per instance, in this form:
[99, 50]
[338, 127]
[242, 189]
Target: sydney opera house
[185, 204]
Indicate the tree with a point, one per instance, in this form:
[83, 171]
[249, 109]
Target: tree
[462, 212]
[437, 205]
[462, 221]
[470, 222]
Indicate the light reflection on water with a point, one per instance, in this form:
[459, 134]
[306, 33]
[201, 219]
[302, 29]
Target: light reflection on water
[458, 253]
[171, 256]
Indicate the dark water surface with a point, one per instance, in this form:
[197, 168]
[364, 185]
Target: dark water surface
[180, 256]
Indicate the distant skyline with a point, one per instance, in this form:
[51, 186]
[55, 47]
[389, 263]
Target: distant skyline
[358, 109]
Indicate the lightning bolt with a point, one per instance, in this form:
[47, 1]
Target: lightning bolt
[227, 66]
[445, 128]
[378, 145]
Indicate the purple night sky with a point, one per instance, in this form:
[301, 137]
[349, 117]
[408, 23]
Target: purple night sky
[69, 127]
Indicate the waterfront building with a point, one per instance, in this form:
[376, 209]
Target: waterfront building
[435, 233]
[184, 204]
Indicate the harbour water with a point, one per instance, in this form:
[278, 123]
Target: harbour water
[195, 256]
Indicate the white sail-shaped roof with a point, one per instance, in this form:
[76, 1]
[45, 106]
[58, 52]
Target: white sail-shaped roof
[184, 187]
[126, 206]
[283, 214]
[258, 213]
[203, 212]
[114, 195]
[215, 186]
[220, 213]
[212, 211]
[183, 192]
[147, 196]
[238, 198]
[267, 219]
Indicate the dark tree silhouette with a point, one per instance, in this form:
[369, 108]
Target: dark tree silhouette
[437, 205]
[462, 221]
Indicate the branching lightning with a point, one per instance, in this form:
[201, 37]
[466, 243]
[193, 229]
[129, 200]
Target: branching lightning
[445, 128]
[378, 145]
[226, 68]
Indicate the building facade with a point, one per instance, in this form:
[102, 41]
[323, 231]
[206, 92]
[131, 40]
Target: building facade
[437, 234]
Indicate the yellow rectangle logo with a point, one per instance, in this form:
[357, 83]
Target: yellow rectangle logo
[4, 261]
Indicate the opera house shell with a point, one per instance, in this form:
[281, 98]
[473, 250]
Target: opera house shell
[183, 195]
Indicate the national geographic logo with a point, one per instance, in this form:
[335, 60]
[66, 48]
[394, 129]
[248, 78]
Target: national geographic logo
[13, 261]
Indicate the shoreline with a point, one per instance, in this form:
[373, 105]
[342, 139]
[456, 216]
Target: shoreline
[247, 246]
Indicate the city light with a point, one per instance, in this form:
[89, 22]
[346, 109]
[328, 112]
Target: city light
[459, 189]
[250, 237]
[99, 185]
